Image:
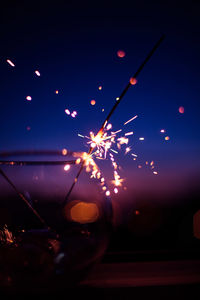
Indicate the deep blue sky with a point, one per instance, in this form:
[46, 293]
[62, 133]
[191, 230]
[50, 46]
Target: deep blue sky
[74, 46]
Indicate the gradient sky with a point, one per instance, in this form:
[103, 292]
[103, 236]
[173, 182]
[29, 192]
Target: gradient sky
[74, 46]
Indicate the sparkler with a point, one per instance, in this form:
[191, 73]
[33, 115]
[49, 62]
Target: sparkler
[101, 141]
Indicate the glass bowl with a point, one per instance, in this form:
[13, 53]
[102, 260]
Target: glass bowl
[54, 225]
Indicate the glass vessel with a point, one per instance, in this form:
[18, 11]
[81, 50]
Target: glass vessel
[54, 225]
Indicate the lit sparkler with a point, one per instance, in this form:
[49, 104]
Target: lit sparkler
[101, 142]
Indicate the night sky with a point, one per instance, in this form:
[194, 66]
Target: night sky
[74, 46]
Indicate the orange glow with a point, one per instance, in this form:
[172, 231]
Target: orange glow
[181, 110]
[167, 138]
[92, 102]
[100, 87]
[137, 212]
[83, 212]
[64, 151]
[121, 53]
[56, 91]
[133, 80]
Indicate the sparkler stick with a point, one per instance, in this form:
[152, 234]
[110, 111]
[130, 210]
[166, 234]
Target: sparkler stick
[101, 131]
[134, 76]
[24, 199]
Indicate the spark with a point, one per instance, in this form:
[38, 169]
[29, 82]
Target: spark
[181, 110]
[67, 111]
[92, 102]
[115, 190]
[167, 138]
[133, 81]
[82, 136]
[10, 63]
[133, 154]
[37, 73]
[129, 133]
[128, 149]
[100, 87]
[162, 130]
[66, 167]
[56, 91]
[107, 193]
[131, 119]
[121, 53]
[109, 126]
[64, 151]
[28, 98]
[141, 138]
[156, 173]
[117, 98]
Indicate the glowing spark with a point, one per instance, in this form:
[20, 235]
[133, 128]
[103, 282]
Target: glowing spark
[181, 110]
[156, 173]
[66, 167]
[167, 138]
[102, 110]
[109, 126]
[131, 120]
[133, 80]
[141, 138]
[37, 73]
[162, 130]
[123, 140]
[116, 131]
[128, 149]
[107, 193]
[64, 151]
[115, 190]
[121, 53]
[129, 133]
[152, 162]
[78, 161]
[75, 112]
[100, 87]
[56, 91]
[133, 154]
[73, 115]
[117, 98]
[92, 102]
[10, 63]
[82, 136]
[139, 166]
[113, 151]
[67, 111]
[28, 98]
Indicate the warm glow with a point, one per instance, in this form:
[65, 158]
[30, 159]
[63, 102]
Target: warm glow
[121, 53]
[167, 138]
[92, 102]
[181, 110]
[83, 212]
[64, 151]
[133, 80]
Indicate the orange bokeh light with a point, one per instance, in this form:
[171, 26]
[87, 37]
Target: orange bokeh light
[92, 102]
[121, 53]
